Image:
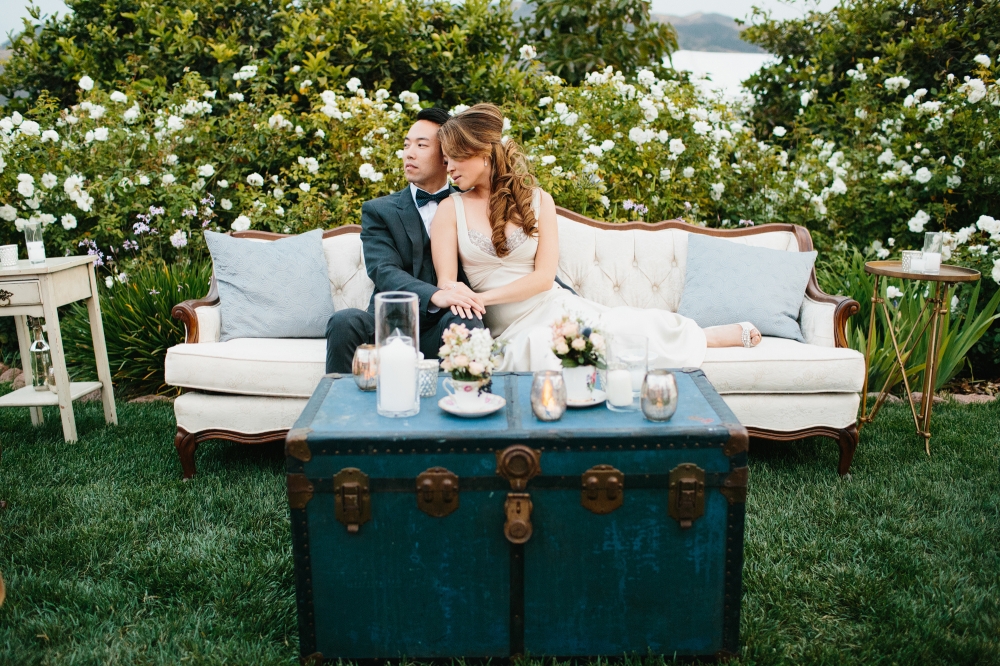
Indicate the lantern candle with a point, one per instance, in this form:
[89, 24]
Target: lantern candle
[620, 387]
[397, 375]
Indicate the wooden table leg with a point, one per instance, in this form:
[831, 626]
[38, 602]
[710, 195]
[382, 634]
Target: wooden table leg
[58, 362]
[101, 352]
[24, 343]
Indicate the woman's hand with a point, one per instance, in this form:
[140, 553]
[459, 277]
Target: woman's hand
[460, 298]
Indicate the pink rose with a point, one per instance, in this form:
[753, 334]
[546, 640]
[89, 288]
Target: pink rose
[570, 329]
[562, 349]
[597, 340]
[579, 344]
[460, 361]
[476, 368]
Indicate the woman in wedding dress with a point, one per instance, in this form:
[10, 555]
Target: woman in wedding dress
[503, 229]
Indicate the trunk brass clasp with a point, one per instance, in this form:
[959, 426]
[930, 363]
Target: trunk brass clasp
[687, 494]
[603, 489]
[437, 492]
[518, 508]
[352, 503]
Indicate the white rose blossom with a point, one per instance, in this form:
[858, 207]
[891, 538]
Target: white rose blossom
[255, 179]
[241, 223]
[226, 204]
[206, 170]
[918, 221]
[86, 83]
[527, 52]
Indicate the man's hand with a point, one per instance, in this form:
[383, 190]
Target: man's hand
[462, 300]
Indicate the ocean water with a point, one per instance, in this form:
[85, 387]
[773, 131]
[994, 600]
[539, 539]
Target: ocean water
[720, 72]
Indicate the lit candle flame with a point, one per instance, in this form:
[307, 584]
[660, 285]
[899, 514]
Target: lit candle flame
[547, 401]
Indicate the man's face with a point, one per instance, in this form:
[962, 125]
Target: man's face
[423, 162]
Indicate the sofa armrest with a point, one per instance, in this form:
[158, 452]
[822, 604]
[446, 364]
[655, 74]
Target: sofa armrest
[201, 317]
[824, 317]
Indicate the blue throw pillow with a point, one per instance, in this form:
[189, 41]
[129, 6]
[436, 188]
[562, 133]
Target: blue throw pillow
[273, 289]
[727, 282]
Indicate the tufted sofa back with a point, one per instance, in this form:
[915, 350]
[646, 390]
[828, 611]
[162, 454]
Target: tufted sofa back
[639, 265]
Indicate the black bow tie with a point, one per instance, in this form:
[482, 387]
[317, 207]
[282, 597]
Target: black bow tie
[424, 198]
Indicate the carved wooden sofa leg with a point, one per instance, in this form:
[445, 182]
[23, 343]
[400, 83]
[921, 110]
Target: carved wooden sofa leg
[848, 441]
[186, 444]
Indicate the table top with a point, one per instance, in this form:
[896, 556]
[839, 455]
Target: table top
[339, 415]
[948, 273]
[25, 268]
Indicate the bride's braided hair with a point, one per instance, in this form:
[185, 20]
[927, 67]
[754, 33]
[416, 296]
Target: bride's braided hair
[478, 132]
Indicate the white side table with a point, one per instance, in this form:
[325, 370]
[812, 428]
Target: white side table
[36, 290]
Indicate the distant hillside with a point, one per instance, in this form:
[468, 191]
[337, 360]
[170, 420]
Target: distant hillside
[708, 32]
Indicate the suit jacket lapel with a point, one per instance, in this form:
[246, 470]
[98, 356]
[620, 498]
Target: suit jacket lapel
[414, 226]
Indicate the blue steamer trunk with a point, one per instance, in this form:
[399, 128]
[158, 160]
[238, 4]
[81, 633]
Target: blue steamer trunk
[598, 535]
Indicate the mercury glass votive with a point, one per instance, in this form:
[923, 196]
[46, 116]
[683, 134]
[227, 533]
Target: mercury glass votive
[427, 377]
[659, 395]
[912, 260]
[548, 395]
[365, 367]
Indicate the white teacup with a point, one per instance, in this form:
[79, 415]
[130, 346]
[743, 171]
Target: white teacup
[465, 394]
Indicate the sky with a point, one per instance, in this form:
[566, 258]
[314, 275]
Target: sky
[11, 20]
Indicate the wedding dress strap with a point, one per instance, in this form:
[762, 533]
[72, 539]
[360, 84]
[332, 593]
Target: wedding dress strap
[536, 202]
[460, 214]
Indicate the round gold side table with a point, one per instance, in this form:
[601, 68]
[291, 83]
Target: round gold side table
[937, 305]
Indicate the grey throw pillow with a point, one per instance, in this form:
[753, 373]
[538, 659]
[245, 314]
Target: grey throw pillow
[274, 289]
[727, 282]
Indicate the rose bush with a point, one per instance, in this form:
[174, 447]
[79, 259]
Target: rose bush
[135, 172]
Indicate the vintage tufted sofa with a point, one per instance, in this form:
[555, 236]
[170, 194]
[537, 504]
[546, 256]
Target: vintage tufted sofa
[252, 390]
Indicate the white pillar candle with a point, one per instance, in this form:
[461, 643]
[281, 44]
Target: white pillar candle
[620, 388]
[932, 263]
[397, 376]
[36, 252]
[917, 265]
[637, 375]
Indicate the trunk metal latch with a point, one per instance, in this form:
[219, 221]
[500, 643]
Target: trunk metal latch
[437, 492]
[603, 489]
[352, 502]
[518, 508]
[687, 494]
[518, 464]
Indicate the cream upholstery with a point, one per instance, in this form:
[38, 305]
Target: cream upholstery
[260, 385]
[197, 412]
[777, 365]
[285, 368]
[787, 413]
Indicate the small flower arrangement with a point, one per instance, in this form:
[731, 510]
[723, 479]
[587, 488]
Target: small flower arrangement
[577, 344]
[468, 355]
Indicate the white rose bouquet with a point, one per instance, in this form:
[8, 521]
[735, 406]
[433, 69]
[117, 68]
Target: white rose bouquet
[468, 355]
[577, 344]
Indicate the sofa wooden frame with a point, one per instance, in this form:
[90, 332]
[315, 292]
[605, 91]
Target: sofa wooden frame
[847, 438]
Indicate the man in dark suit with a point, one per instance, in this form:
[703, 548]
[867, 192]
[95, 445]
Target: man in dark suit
[397, 246]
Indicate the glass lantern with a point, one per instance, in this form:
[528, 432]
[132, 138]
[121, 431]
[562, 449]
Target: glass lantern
[33, 238]
[397, 335]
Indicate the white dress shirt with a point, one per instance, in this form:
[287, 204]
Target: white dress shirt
[429, 208]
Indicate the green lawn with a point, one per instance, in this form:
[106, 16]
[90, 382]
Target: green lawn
[110, 559]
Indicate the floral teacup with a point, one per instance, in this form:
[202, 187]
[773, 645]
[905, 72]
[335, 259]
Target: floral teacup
[465, 394]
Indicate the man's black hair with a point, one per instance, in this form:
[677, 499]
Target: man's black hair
[434, 114]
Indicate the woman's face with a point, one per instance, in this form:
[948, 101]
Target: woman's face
[468, 173]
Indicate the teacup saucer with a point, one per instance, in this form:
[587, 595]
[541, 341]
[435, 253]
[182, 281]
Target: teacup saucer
[487, 404]
[598, 396]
